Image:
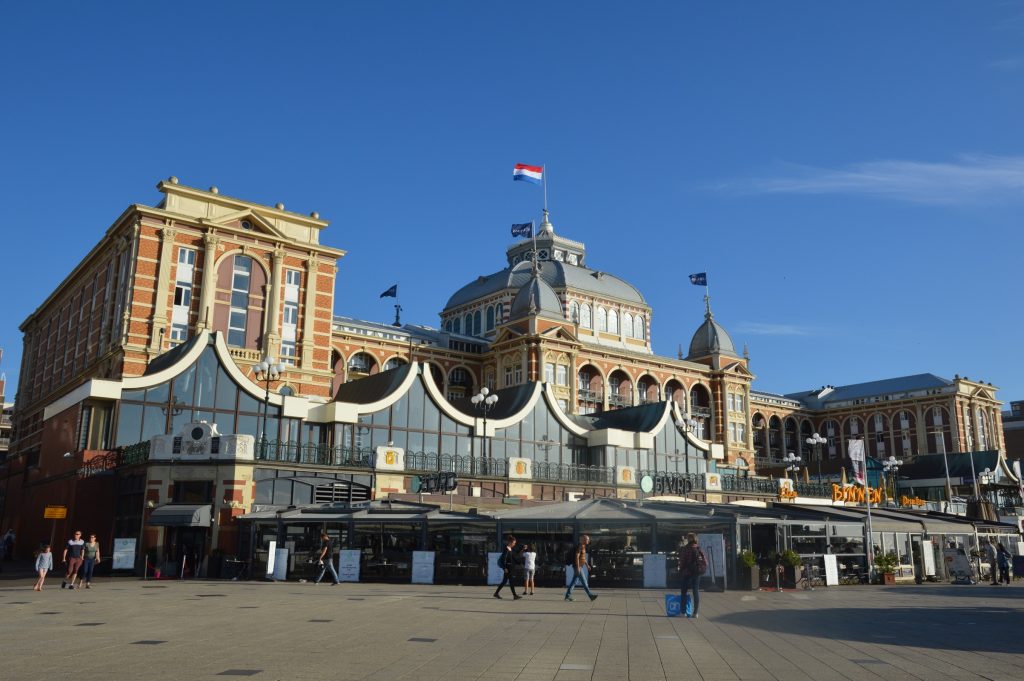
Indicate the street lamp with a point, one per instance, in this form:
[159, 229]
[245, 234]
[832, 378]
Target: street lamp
[484, 401]
[793, 463]
[891, 467]
[266, 371]
[816, 441]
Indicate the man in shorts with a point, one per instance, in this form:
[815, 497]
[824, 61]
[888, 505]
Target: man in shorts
[73, 556]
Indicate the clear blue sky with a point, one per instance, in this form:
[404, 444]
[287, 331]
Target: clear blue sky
[851, 175]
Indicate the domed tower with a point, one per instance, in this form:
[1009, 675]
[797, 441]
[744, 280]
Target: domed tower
[711, 341]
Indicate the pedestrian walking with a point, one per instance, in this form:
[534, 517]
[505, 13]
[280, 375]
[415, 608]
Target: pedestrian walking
[8, 542]
[72, 557]
[1003, 559]
[326, 560]
[91, 555]
[506, 561]
[692, 564]
[991, 555]
[529, 569]
[44, 563]
[581, 567]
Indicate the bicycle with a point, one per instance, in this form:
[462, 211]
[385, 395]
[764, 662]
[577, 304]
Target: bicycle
[809, 578]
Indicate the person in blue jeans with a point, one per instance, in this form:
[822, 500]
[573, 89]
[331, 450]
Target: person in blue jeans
[326, 559]
[689, 574]
[580, 566]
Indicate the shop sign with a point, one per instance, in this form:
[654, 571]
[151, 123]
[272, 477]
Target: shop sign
[625, 475]
[856, 494]
[55, 512]
[390, 459]
[911, 501]
[713, 482]
[520, 469]
[672, 484]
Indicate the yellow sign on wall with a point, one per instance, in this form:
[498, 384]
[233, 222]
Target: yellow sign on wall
[55, 512]
[856, 494]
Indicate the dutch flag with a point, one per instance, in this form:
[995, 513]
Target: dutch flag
[527, 173]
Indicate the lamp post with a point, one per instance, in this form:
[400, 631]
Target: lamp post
[816, 441]
[793, 463]
[266, 371]
[484, 401]
[891, 467]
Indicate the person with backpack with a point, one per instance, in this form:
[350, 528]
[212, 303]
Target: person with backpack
[692, 564]
[505, 561]
[579, 561]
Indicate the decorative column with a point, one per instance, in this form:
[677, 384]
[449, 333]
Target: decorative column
[163, 281]
[206, 290]
[272, 337]
[309, 314]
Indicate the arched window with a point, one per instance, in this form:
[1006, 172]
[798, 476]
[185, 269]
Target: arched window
[240, 317]
[613, 321]
[627, 325]
[286, 391]
[574, 313]
[469, 324]
[490, 317]
[639, 328]
[456, 325]
[476, 323]
[602, 319]
[448, 326]
[394, 363]
[586, 321]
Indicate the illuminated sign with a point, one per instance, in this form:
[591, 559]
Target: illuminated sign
[856, 494]
[911, 501]
[55, 512]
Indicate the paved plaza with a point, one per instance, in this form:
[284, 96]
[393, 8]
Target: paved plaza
[129, 629]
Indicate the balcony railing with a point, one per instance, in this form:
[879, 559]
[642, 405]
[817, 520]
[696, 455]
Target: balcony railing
[244, 354]
[615, 400]
[700, 411]
[595, 396]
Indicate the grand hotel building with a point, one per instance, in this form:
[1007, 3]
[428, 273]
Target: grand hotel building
[158, 330]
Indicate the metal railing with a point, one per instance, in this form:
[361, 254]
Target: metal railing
[584, 395]
[133, 454]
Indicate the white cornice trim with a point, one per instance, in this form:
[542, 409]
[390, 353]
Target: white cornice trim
[561, 416]
[95, 388]
[139, 382]
[393, 396]
[519, 415]
[690, 437]
[440, 402]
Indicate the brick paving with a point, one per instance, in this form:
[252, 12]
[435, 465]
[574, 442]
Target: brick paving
[128, 629]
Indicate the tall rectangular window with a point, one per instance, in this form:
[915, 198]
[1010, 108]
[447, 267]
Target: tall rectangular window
[182, 295]
[549, 372]
[241, 274]
[562, 375]
[288, 352]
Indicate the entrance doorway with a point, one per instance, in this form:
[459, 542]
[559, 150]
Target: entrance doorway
[185, 548]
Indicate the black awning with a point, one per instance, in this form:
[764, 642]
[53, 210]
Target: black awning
[181, 515]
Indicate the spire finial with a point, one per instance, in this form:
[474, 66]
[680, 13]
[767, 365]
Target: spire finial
[746, 352]
[545, 223]
[707, 307]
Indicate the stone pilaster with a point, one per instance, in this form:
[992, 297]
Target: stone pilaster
[272, 337]
[206, 291]
[163, 282]
[309, 313]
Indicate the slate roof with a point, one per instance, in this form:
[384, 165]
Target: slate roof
[372, 388]
[888, 386]
[639, 419]
[711, 339]
[510, 401]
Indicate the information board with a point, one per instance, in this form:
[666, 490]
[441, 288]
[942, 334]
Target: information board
[655, 571]
[494, 573]
[55, 512]
[124, 554]
[713, 546]
[348, 565]
[281, 565]
[423, 567]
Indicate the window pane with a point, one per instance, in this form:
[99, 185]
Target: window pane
[129, 424]
[226, 391]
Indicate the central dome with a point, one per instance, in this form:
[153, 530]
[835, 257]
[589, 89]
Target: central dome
[711, 339]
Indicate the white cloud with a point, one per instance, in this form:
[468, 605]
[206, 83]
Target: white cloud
[969, 179]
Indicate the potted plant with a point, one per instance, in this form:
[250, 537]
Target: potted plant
[886, 564]
[749, 567]
[790, 561]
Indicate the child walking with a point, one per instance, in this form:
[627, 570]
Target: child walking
[44, 563]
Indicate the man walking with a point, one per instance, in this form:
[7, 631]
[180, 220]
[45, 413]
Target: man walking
[72, 557]
[580, 565]
[690, 570]
[505, 561]
[993, 558]
[326, 559]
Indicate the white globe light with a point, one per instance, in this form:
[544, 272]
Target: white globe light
[261, 367]
[476, 399]
[485, 391]
[281, 366]
[492, 399]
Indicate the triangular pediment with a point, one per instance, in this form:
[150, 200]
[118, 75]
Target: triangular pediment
[738, 369]
[237, 220]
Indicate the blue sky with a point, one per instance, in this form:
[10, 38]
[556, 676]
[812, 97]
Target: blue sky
[850, 175]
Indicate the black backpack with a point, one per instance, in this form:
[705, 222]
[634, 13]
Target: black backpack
[501, 560]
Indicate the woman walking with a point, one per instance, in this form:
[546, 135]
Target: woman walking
[44, 563]
[92, 557]
[529, 568]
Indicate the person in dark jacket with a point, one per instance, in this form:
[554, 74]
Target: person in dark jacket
[506, 561]
[689, 574]
[1003, 560]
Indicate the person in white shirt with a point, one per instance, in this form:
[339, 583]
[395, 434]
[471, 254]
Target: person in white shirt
[529, 568]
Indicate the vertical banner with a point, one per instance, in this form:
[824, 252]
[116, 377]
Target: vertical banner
[281, 565]
[494, 573]
[124, 554]
[713, 546]
[423, 567]
[655, 571]
[271, 557]
[831, 570]
[348, 565]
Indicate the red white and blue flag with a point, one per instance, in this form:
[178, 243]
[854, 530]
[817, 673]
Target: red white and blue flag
[527, 173]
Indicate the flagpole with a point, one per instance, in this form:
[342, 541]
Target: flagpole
[544, 182]
[870, 546]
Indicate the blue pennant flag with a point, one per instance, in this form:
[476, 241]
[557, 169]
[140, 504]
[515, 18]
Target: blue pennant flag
[391, 292]
[699, 279]
[523, 229]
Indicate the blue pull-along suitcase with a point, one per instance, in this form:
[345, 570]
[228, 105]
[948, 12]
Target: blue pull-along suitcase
[674, 605]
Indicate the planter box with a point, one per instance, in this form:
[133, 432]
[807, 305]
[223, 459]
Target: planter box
[888, 578]
[754, 576]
